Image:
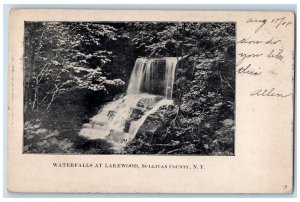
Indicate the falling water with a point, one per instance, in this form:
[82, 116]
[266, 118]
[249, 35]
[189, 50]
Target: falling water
[169, 76]
[144, 76]
[150, 87]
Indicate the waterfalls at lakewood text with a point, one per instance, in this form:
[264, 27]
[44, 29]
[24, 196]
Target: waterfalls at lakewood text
[150, 87]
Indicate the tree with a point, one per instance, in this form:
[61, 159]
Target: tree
[66, 56]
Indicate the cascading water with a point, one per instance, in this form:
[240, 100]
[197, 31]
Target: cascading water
[150, 87]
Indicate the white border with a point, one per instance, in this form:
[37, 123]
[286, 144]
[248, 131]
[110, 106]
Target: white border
[55, 3]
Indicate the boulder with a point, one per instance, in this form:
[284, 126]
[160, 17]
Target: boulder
[156, 124]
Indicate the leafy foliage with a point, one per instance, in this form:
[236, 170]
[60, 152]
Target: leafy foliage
[65, 57]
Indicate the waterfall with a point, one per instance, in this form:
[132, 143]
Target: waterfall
[169, 76]
[144, 76]
[150, 87]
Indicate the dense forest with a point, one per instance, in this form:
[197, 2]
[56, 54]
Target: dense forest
[73, 69]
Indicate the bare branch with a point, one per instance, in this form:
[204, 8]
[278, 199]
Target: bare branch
[224, 80]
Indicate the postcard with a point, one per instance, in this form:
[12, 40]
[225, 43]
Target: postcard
[146, 101]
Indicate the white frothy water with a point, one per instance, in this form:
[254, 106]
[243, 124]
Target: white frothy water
[110, 118]
[110, 122]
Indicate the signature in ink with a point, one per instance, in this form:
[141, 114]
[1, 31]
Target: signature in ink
[269, 93]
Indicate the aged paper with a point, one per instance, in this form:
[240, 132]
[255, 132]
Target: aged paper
[261, 160]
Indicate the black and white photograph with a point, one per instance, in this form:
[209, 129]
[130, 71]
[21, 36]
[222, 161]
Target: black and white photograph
[132, 88]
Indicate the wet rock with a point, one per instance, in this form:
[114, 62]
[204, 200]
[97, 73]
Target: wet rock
[127, 125]
[137, 112]
[148, 103]
[156, 124]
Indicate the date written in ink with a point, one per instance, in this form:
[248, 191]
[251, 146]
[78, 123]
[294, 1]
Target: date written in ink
[281, 22]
